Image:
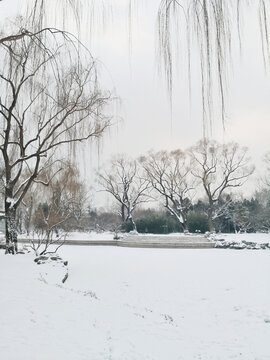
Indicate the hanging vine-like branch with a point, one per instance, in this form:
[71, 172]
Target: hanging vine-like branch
[213, 23]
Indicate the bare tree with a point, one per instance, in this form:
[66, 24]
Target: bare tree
[64, 192]
[69, 195]
[219, 167]
[125, 183]
[261, 219]
[241, 218]
[266, 178]
[50, 99]
[58, 205]
[169, 174]
[45, 228]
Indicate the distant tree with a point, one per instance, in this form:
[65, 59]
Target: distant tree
[219, 167]
[241, 218]
[50, 98]
[169, 174]
[45, 229]
[200, 206]
[156, 222]
[262, 218]
[62, 206]
[266, 178]
[66, 198]
[197, 222]
[107, 221]
[124, 182]
[28, 206]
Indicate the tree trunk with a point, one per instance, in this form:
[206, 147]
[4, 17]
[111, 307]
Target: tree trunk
[123, 217]
[210, 219]
[184, 225]
[11, 229]
[134, 227]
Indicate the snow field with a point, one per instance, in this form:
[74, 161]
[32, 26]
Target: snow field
[141, 304]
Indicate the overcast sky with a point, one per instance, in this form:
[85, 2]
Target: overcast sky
[148, 122]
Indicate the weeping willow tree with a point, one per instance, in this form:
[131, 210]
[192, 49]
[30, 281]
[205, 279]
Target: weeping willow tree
[215, 26]
[208, 28]
[50, 100]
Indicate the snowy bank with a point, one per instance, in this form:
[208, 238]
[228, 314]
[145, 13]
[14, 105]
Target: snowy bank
[134, 304]
[253, 241]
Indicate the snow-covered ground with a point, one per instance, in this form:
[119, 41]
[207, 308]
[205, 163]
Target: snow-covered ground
[136, 304]
[256, 237]
[242, 241]
[93, 235]
[77, 235]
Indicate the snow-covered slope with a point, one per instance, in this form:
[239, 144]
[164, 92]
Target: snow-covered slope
[136, 304]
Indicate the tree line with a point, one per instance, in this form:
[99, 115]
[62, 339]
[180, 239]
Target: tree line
[51, 100]
[196, 190]
[199, 184]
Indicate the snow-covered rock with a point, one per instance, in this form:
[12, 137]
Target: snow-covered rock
[239, 242]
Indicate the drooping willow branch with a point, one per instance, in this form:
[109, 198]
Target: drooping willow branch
[212, 24]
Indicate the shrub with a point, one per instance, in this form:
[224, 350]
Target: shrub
[156, 224]
[197, 222]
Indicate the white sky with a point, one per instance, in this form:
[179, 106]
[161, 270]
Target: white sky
[145, 110]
